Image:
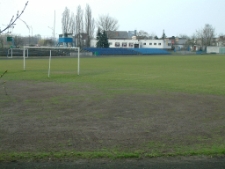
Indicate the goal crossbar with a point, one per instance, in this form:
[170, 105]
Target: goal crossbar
[26, 51]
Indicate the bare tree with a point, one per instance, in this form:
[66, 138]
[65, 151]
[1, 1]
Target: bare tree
[206, 35]
[68, 22]
[89, 24]
[190, 40]
[163, 35]
[48, 42]
[13, 20]
[153, 35]
[18, 41]
[1, 41]
[183, 36]
[79, 26]
[221, 40]
[143, 34]
[107, 23]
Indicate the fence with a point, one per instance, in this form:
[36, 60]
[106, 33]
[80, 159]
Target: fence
[127, 51]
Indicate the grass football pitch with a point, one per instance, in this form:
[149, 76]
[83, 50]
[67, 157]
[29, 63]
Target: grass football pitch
[119, 107]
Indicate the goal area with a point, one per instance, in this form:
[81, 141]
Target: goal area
[49, 53]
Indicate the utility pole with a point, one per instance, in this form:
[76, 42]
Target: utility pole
[27, 28]
[53, 28]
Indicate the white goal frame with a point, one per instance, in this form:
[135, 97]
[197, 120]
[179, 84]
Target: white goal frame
[10, 52]
[26, 53]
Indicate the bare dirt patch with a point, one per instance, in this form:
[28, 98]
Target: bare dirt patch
[47, 116]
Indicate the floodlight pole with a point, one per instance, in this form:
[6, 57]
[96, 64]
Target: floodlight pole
[27, 28]
[53, 30]
[31, 30]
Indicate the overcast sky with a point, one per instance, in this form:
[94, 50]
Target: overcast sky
[153, 16]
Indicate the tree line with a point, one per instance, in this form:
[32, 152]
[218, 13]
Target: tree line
[79, 25]
[83, 24]
[202, 37]
[19, 41]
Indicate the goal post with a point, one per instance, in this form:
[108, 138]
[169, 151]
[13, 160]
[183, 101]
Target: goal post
[50, 49]
[10, 53]
[14, 52]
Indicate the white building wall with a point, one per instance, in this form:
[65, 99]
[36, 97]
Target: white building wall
[213, 49]
[93, 43]
[122, 43]
[155, 43]
[129, 43]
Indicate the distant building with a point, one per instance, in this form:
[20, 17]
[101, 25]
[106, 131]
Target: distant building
[221, 41]
[124, 39]
[117, 35]
[65, 40]
[178, 43]
[82, 41]
[215, 50]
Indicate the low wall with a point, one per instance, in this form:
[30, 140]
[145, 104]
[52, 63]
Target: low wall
[213, 49]
[81, 54]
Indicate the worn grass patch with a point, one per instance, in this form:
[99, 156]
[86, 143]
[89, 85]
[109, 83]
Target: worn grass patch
[119, 107]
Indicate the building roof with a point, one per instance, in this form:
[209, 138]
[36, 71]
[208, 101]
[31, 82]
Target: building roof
[117, 35]
[132, 33]
[65, 35]
[181, 41]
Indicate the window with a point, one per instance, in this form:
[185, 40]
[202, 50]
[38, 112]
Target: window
[150, 43]
[159, 44]
[117, 44]
[110, 43]
[169, 44]
[155, 43]
[124, 44]
[144, 43]
[131, 44]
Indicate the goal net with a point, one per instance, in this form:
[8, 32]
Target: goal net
[49, 53]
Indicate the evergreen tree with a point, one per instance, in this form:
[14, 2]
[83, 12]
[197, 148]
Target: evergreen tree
[102, 39]
[163, 35]
[98, 37]
[105, 42]
[156, 37]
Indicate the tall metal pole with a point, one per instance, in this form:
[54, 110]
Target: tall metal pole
[54, 25]
[31, 31]
[27, 28]
[53, 28]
